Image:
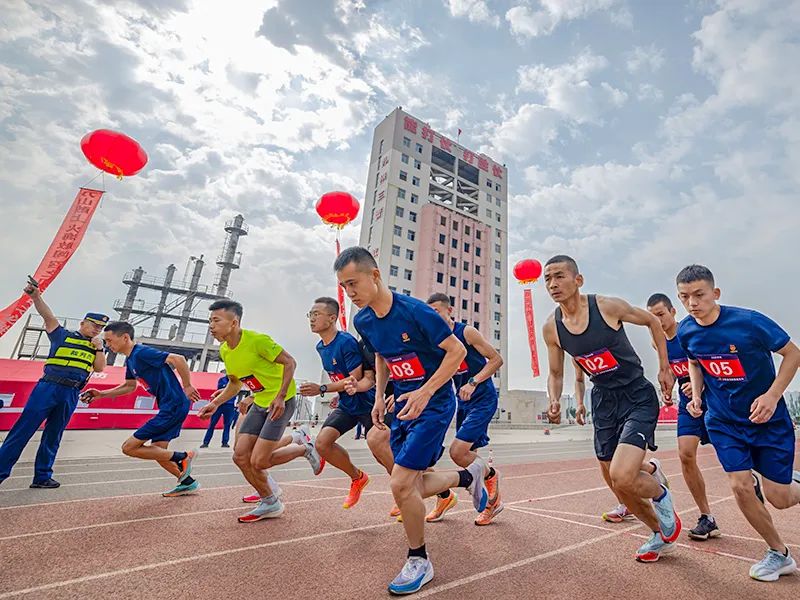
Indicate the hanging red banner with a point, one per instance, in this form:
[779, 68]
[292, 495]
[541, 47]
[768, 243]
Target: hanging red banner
[61, 249]
[340, 292]
[531, 332]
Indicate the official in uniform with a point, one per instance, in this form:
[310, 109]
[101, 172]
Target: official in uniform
[73, 356]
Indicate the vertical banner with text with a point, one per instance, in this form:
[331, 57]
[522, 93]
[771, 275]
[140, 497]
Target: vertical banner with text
[531, 332]
[340, 292]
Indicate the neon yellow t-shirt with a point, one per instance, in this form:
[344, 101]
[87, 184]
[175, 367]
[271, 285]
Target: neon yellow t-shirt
[252, 362]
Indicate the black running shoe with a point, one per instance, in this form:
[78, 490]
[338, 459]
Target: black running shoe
[706, 528]
[757, 487]
[48, 484]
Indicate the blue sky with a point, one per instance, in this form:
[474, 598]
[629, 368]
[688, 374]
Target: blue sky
[639, 137]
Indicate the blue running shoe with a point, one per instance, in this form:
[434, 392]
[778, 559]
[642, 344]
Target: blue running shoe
[186, 464]
[480, 497]
[182, 490]
[668, 519]
[264, 510]
[416, 572]
[653, 548]
[773, 565]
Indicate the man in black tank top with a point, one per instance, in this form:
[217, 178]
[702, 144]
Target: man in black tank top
[624, 404]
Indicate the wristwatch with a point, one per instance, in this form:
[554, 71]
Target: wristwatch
[472, 381]
[322, 389]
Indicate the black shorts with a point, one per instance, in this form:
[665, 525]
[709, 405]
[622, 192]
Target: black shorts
[343, 422]
[626, 415]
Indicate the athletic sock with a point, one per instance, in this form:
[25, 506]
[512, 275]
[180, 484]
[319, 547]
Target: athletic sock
[662, 496]
[177, 457]
[491, 474]
[271, 499]
[444, 495]
[418, 552]
[710, 517]
[187, 481]
[464, 478]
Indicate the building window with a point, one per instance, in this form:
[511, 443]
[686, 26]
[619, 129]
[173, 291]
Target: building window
[419, 148]
[411, 235]
[497, 281]
[467, 229]
[414, 199]
[497, 264]
[440, 258]
[442, 238]
[489, 183]
[477, 307]
[393, 270]
[377, 177]
[455, 225]
[477, 288]
[464, 321]
[497, 216]
[395, 250]
[412, 216]
[496, 187]
[439, 277]
[497, 248]
[415, 181]
[442, 220]
[477, 269]
[407, 142]
[404, 157]
[407, 292]
[465, 285]
[417, 164]
[489, 198]
[488, 210]
[452, 301]
[398, 230]
[497, 335]
[369, 239]
[454, 243]
[477, 234]
[380, 148]
[475, 324]
[497, 200]
[466, 265]
[407, 274]
[403, 176]
[409, 254]
[497, 298]
[453, 282]
[466, 247]
[398, 210]
[499, 234]
[464, 305]
[392, 288]
[477, 250]
[401, 194]
[497, 316]
[454, 262]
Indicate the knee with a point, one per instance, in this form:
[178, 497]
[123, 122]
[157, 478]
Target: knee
[129, 448]
[743, 489]
[377, 438]
[261, 463]
[622, 480]
[401, 488]
[241, 460]
[323, 445]
[459, 454]
[688, 458]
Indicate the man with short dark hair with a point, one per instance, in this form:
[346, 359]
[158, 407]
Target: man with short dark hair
[154, 368]
[413, 344]
[257, 361]
[730, 355]
[73, 357]
[691, 430]
[624, 404]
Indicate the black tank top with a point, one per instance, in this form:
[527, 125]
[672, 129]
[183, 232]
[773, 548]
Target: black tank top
[605, 354]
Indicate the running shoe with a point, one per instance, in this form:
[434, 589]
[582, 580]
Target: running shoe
[492, 510]
[395, 512]
[47, 484]
[442, 506]
[478, 486]
[314, 459]
[301, 435]
[493, 487]
[182, 489]
[706, 528]
[618, 514]
[356, 487]
[773, 565]
[186, 464]
[668, 520]
[653, 548]
[415, 573]
[255, 498]
[659, 474]
[251, 499]
[264, 510]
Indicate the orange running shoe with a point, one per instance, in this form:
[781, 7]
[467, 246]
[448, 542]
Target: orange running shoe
[491, 511]
[442, 506]
[395, 512]
[356, 487]
[493, 488]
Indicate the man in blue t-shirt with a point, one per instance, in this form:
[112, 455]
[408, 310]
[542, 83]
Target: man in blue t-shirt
[227, 411]
[691, 430]
[414, 346]
[342, 360]
[730, 352]
[154, 369]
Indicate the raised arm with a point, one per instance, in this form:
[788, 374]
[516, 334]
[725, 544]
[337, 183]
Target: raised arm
[50, 321]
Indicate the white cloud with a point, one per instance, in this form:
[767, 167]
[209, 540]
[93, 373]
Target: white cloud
[531, 129]
[641, 58]
[527, 22]
[647, 92]
[476, 11]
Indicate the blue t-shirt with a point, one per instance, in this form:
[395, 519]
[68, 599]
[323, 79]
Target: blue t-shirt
[340, 358]
[735, 353]
[77, 355]
[223, 381]
[408, 339]
[149, 366]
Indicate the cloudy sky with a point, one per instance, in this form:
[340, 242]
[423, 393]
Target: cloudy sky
[639, 137]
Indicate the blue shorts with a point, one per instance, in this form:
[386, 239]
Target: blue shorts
[689, 425]
[766, 448]
[165, 426]
[417, 444]
[473, 418]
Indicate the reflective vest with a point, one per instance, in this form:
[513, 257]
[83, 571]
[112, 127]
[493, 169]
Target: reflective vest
[74, 352]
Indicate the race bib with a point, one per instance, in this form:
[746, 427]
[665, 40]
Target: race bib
[462, 368]
[598, 363]
[335, 377]
[252, 383]
[406, 368]
[725, 367]
[680, 367]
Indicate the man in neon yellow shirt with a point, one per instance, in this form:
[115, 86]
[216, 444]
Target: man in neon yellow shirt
[258, 362]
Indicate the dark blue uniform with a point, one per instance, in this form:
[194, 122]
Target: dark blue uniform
[227, 412]
[473, 417]
[408, 339]
[735, 353]
[54, 399]
[149, 366]
[679, 363]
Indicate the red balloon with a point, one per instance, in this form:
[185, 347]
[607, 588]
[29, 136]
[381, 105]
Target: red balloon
[114, 152]
[527, 270]
[337, 208]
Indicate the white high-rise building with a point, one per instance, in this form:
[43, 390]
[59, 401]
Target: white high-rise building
[436, 220]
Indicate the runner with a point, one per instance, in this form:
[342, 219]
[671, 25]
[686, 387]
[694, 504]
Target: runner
[477, 405]
[342, 360]
[413, 344]
[154, 368]
[624, 404]
[255, 360]
[691, 430]
[730, 351]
